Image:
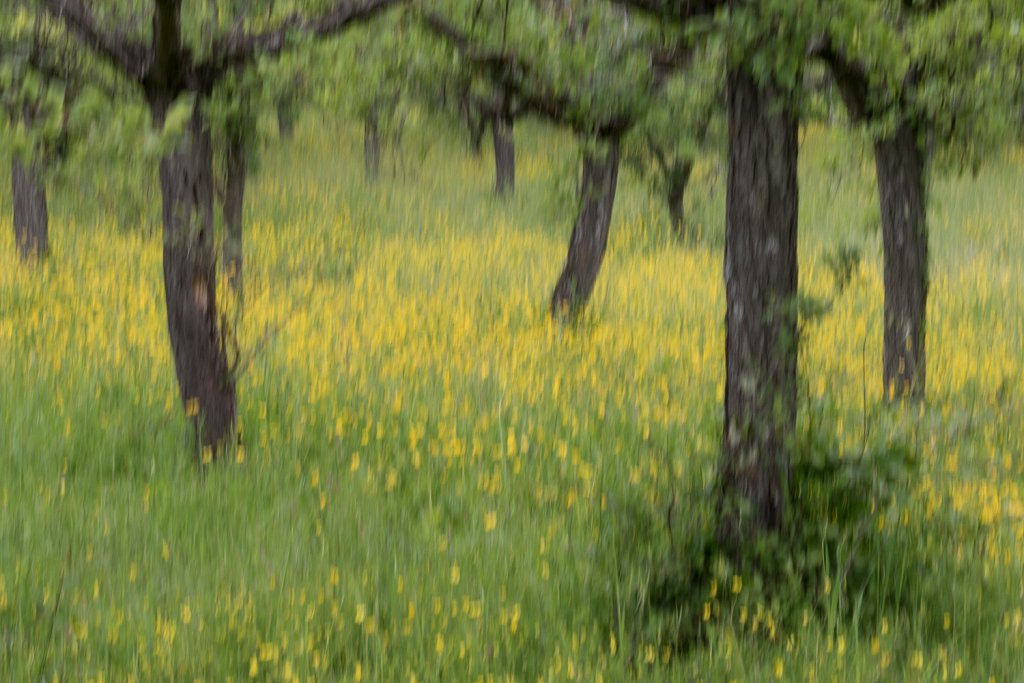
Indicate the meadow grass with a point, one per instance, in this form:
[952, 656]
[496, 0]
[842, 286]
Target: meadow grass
[436, 483]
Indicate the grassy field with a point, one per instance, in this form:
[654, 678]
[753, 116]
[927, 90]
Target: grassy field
[438, 484]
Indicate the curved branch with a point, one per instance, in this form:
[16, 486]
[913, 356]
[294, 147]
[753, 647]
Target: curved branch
[126, 55]
[241, 47]
[850, 76]
[520, 80]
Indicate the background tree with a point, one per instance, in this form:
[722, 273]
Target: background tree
[684, 122]
[36, 70]
[379, 98]
[582, 67]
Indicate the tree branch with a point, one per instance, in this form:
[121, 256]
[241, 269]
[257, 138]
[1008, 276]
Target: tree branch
[850, 76]
[241, 47]
[129, 57]
[519, 79]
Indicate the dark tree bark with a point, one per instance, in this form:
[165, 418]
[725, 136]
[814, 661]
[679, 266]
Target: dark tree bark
[761, 333]
[677, 182]
[590, 234]
[190, 285]
[900, 168]
[504, 155]
[371, 147]
[234, 202]
[31, 221]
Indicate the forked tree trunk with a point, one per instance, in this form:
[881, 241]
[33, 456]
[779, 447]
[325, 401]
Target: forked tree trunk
[761, 332]
[899, 164]
[371, 147]
[590, 234]
[31, 221]
[190, 285]
[234, 204]
[504, 155]
[678, 180]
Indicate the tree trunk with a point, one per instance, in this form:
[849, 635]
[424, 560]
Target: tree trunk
[190, 286]
[475, 121]
[285, 119]
[590, 234]
[901, 188]
[761, 333]
[234, 204]
[371, 147]
[678, 180]
[31, 221]
[504, 155]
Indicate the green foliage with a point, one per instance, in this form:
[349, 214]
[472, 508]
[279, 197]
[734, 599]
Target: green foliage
[586, 60]
[684, 123]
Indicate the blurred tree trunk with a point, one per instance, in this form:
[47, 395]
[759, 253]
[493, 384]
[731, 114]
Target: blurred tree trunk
[371, 146]
[234, 204]
[286, 116]
[900, 167]
[590, 234]
[504, 155]
[677, 182]
[761, 332]
[190, 283]
[31, 220]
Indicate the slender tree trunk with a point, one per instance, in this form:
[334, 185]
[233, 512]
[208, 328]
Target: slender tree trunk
[190, 285]
[761, 333]
[285, 119]
[371, 147]
[900, 168]
[31, 221]
[234, 203]
[678, 181]
[475, 121]
[590, 234]
[504, 155]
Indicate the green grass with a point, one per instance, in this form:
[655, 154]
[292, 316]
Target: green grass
[436, 483]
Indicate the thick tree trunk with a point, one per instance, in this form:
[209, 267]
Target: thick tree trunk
[234, 203]
[678, 181]
[761, 333]
[190, 286]
[590, 234]
[31, 221]
[504, 155]
[371, 147]
[900, 169]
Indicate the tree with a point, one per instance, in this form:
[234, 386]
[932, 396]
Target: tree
[684, 121]
[453, 88]
[765, 45]
[378, 99]
[33, 86]
[585, 70]
[919, 77]
[175, 67]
